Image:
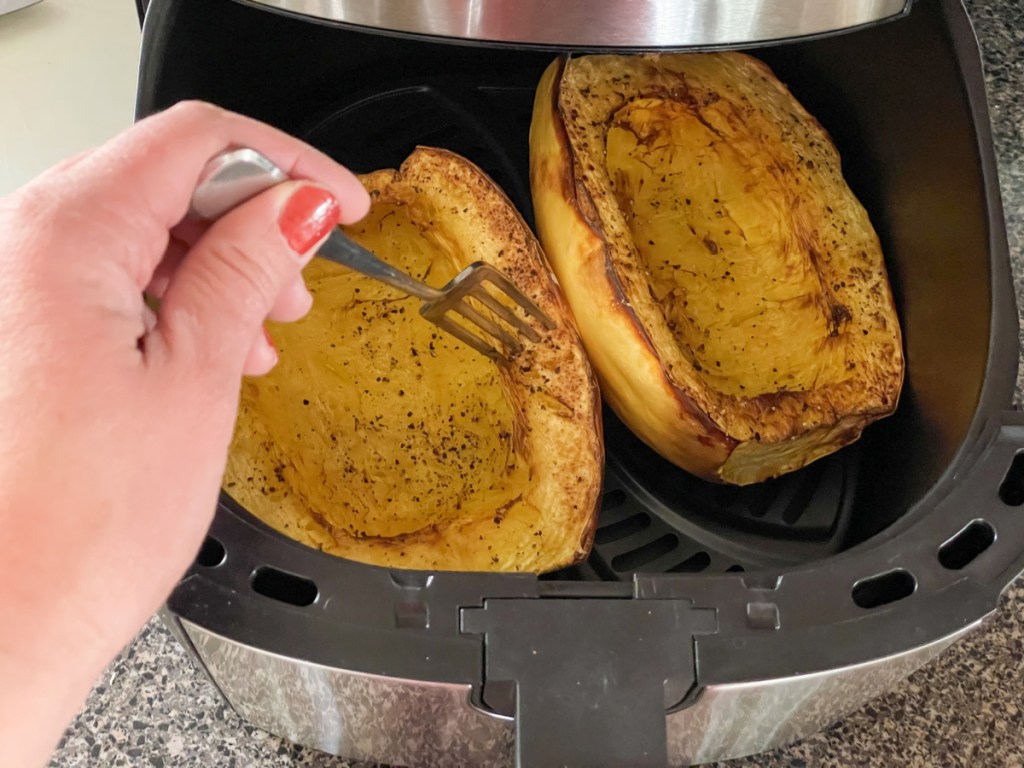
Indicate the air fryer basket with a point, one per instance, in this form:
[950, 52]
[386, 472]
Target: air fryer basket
[896, 543]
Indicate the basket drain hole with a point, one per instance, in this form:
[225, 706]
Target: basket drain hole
[961, 550]
[1011, 491]
[211, 554]
[884, 589]
[284, 587]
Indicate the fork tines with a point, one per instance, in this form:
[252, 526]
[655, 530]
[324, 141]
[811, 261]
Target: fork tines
[504, 326]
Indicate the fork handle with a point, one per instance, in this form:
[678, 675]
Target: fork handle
[237, 175]
[229, 179]
[340, 249]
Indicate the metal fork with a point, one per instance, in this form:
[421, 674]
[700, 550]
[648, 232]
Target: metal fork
[233, 177]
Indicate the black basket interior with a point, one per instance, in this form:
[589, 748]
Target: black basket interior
[654, 517]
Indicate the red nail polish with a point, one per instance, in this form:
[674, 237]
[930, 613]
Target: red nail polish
[310, 213]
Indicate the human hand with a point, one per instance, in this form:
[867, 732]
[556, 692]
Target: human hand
[116, 421]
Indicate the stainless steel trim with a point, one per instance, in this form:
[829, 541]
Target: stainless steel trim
[602, 23]
[353, 714]
[739, 719]
[435, 725]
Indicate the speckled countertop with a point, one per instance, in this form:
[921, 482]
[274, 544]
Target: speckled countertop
[153, 708]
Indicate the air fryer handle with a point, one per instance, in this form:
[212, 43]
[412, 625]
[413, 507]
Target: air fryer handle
[591, 676]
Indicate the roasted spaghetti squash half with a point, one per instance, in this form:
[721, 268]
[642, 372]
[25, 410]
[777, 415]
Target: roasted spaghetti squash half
[382, 439]
[730, 289]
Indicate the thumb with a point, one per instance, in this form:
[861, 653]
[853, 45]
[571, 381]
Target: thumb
[228, 282]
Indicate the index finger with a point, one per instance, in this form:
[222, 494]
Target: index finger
[145, 176]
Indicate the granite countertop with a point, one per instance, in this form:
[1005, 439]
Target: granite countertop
[152, 707]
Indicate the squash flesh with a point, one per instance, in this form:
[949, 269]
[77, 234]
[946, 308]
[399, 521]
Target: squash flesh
[463, 465]
[744, 311]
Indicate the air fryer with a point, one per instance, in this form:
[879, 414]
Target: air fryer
[709, 622]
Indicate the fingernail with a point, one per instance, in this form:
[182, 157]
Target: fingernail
[308, 216]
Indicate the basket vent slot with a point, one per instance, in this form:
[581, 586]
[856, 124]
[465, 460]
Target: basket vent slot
[961, 550]
[284, 587]
[648, 553]
[613, 499]
[884, 589]
[622, 529]
[801, 500]
[1012, 489]
[211, 554]
[695, 563]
